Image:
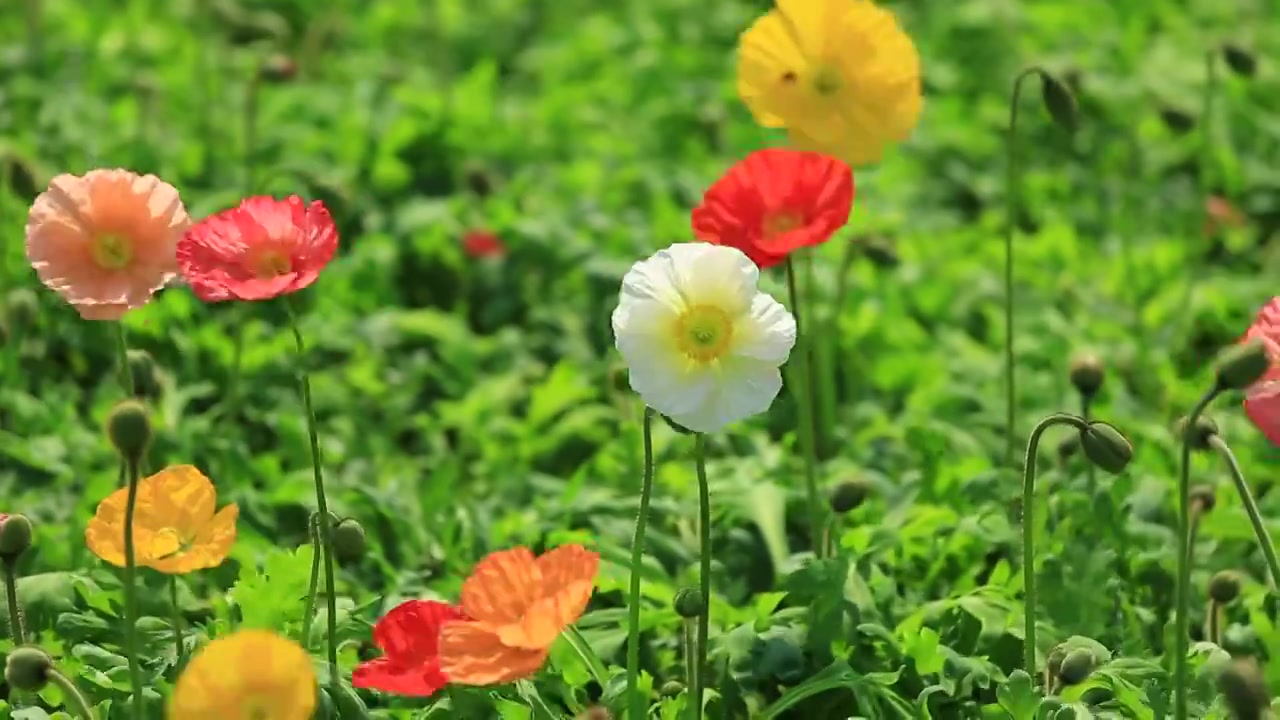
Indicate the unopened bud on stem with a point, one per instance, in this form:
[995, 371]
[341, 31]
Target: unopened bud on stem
[27, 669]
[1198, 435]
[1076, 666]
[1059, 101]
[129, 429]
[1106, 447]
[15, 536]
[689, 603]
[1241, 61]
[848, 495]
[1242, 365]
[1245, 690]
[1224, 587]
[1087, 373]
[348, 541]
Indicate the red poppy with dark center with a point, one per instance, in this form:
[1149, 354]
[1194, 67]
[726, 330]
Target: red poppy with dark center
[775, 202]
[482, 243]
[1262, 399]
[409, 636]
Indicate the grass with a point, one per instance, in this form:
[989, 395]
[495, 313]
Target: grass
[466, 406]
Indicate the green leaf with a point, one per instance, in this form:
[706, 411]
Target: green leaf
[1017, 696]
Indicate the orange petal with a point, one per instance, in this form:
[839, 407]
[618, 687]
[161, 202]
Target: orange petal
[472, 654]
[502, 587]
[568, 578]
[208, 549]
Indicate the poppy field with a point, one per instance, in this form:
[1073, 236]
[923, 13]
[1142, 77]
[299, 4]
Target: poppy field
[648, 359]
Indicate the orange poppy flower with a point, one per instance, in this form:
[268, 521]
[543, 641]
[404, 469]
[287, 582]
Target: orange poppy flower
[517, 606]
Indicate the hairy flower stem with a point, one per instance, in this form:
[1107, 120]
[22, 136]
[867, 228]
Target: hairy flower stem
[178, 649]
[1028, 532]
[313, 587]
[1213, 623]
[71, 695]
[326, 520]
[122, 357]
[806, 408]
[1182, 611]
[131, 591]
[1250, 507]
[16, 631]
[1091, 472]
[637, 704]
[704, 573]
[691, 670]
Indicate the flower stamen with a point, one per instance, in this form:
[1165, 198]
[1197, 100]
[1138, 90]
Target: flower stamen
[111, 251]
[827, 80]
[781, 223]
[272, 263]
[703, 333]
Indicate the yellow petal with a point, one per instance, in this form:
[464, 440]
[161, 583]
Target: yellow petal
[208, 549]
[246, 672]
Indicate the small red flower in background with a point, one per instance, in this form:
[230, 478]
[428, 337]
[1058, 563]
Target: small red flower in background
[482, 243]
[1220, 213]
[775, 202]
[1262, 399]
[409, 636]
[259, 250]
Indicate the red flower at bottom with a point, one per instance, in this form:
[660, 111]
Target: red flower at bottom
[409, 637]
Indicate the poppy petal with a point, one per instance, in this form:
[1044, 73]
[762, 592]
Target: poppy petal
[409, 680]
[568, 578]
[471, 653]
[502, 587]
[409, 633]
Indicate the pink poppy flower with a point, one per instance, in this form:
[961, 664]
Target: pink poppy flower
[262, 249]
[105, 241]
[1262, 399]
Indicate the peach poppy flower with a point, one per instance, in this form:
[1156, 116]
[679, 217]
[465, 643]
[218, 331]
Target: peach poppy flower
[516, 605]
[259, 250]
[105, 241]
[1262, 399]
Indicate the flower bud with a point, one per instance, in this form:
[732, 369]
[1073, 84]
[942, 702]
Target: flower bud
[1087, 373]
[848, 495]
[672, 688]
[1059, 101]
[1205, 497]
[1067, 448]
[881, 252]
[1242, 365]
[1198, 436]
[1224, 587]
[27, 669]
[689, 603]
[1243, 687]
[348, 541]
[1241, 61]
[15, 536]
[1177, 120]
[1106, 447]
[278, 69]
[1076, 666]
[142, 368]
[595, 712]
[129, 429]
[478, 179]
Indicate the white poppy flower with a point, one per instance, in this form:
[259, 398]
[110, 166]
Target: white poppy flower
[702, 344]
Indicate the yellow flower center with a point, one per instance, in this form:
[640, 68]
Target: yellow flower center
[827, 80]
[780, 223]
[272, 263]
[703, 333]
[112, 252]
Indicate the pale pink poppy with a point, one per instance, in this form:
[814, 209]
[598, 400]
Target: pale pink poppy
[107, 240]
[1262, 399]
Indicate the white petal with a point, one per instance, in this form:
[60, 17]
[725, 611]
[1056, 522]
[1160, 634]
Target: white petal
[714, 275]
[653, 279]
[670, 388]
[746, 387]
[767, 332]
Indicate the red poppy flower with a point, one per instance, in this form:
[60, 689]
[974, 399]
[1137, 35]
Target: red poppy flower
[1262, 399]
[482, 243]
[259, 250]
[775, 202]
[409, 636]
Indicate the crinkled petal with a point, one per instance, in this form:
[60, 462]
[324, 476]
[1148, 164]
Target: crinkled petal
[502, 586]
[472, 654]
[767, 333]
[568, 578]
[747, 388]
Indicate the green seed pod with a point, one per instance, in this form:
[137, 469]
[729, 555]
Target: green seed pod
[1106, 447]
[348, 541]
[1076, 666]
[689, 603]
[1242, 365]
[1059, 101]
[129, 429]
[1241, 61]
[1224, 587]
[672, 688]
[1204, 496]
[848, 495]
[1197, 436]
[1243, 687]
[1053, 663]
[1087, 373]
[15, 536]
[27, 669]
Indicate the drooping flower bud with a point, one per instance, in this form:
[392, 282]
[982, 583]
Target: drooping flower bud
[27, 669]
[1245, 690]
[15, 536]
[689, 603]
[478, 179]
[348, 541]
[1198, 436]
[1076, 666]
[142, 368]
[671, 688]
[1224, 587]
[1177, 120]
[1241, 61]
[1059, 101]
[1205, 497]
[1087, 373]
[1106, 447]
[848, 495]
[1240, 366]
[129, 429]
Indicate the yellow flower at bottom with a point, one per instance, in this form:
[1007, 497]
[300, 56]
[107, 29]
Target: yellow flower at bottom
[175, 529]
[248, 675]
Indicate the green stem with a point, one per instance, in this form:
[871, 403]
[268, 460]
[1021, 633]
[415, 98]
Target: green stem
[1213, 623]
[178, 649]
[1182, 616]
[599, 672]
[805, 409]
[704, 571]
[71, 695]
[122, 357]
[1012, 192]
[131, 592]
[309, 615]
[637, 704]
[1091, 472]
[1028, 532]
[16, 631]
[326, 520]
[691, 669]
[1250, 507]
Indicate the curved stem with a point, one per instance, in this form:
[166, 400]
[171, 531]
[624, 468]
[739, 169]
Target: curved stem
[1182, 608]
[637, 705]
[71, 694]
[326, 521]
[178, 649]
[805, 409]
[704, 571]
[122, 355]
[309, 614]
[1028, 532]
[594, 664]
[1250, 507]
[131, 593]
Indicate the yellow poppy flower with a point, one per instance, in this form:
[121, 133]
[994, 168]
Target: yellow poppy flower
[175, 529]
[247, 675]
[839, 75]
